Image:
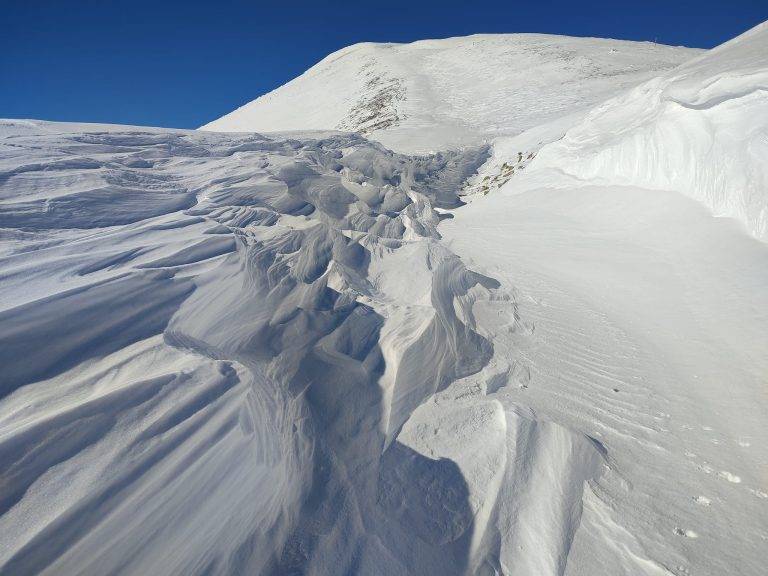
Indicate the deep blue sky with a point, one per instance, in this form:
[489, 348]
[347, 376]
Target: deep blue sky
[181, 64]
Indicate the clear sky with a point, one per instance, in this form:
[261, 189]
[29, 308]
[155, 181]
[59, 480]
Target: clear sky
[181, 64]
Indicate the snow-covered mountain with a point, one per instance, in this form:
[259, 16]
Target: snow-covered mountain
[439, 94]
[535, 352]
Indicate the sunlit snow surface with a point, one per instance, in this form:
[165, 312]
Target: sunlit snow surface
[302, 353]
[650, 308]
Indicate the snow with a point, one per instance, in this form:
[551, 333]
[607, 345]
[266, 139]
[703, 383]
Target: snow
[203, 374]
[538, 351]
[440, 94]
[650, 336]
[701, 129]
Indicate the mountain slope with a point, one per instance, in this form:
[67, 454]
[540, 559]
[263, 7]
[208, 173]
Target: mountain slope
[440, 94]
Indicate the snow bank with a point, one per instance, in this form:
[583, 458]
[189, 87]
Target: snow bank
[701, 129]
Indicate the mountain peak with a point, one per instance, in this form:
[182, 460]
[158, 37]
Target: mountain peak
[434, 94]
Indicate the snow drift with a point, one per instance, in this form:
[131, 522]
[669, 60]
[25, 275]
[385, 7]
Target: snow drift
[650, 331]
[701, 129]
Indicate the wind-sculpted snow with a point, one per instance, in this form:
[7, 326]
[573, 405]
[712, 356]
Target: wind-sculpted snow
[701, 129]
[219, 355]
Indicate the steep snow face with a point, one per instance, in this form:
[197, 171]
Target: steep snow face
[246, 355]
[701, 129]
[440, 94]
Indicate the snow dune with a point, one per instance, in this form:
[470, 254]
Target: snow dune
[223, 372]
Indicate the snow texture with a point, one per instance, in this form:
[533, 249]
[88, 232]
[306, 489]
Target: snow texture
[211, 373]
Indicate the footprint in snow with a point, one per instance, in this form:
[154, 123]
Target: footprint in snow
[732, 478]
[702, 500]
[686, 533]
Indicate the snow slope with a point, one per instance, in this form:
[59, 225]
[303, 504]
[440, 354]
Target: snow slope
[440, 94]
[701, 129]
[648, 332]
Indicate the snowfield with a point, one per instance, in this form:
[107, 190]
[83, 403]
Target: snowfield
[540, 350]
